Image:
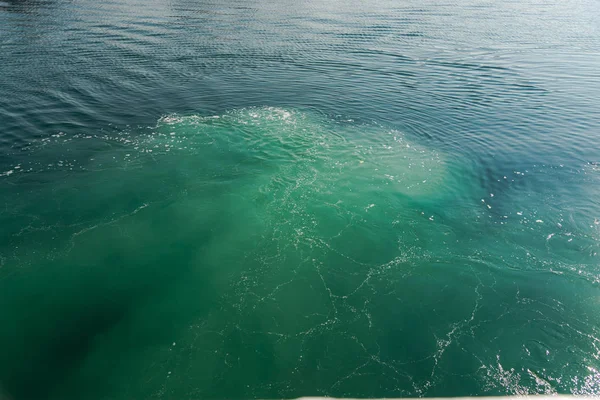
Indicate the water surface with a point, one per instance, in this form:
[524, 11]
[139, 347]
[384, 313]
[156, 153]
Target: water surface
[272, 199]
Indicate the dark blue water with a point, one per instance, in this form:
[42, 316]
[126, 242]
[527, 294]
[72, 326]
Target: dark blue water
[270, 199]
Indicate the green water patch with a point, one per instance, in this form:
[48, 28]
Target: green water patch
[270, 253]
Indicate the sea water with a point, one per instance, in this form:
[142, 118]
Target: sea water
[273, 199]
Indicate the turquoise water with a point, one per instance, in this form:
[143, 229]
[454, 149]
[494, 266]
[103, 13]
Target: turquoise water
[272, 199]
